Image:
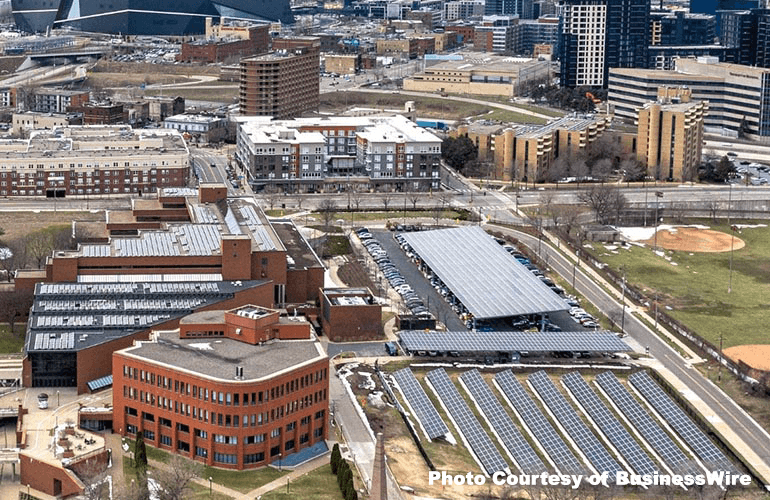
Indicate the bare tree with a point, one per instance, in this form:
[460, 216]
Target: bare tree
[633, 171]
[14, 306]
[272, 198]
[558, 170]
[175, 478]
[39, 245]
[92, 473]
[327, 208]
[604, 200]
[356, 196]
[414, 197]
[578, 169]
[602, 169]
[386, 199]
[547, 198]
[713, 207]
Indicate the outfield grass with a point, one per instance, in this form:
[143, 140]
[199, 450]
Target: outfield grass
[696, 287]
[319, 484]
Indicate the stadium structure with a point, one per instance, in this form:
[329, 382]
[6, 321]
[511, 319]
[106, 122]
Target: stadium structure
[141, 17]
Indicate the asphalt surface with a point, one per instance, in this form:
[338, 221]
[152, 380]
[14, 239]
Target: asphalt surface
[432, 299]
[730, 412]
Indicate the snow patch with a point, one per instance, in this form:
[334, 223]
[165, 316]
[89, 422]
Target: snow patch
[749, 226]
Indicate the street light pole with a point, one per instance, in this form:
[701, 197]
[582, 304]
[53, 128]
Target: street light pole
[574, 268]
[210, 486]
[658, 194]
[732, 239]
[623, 314]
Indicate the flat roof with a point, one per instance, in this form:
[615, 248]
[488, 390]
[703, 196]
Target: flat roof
[217, 358]
[419, 340]
[482, 275]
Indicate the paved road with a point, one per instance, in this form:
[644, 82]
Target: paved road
[753, 435]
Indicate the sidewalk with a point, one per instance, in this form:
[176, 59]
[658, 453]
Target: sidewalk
[291, 476]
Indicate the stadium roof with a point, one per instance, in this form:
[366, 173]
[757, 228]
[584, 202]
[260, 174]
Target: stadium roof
[482, 275]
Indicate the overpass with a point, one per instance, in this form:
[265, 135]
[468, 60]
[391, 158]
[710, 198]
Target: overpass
[62, 58]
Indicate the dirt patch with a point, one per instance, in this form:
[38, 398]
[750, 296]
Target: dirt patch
[756, 356]
[690, 239]
[19, 224]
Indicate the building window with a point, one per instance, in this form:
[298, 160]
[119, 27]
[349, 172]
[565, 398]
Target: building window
[201, 434]
[182, 446]
[290, 444]
[318, 432]
[149, 435]
[275, 433]
[304, 438]
[225, 458]
[201, 452]
[131, 429]
[253, 458]
[165, 440]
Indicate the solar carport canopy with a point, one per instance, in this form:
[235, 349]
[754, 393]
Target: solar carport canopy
[468, 342]
[482, 275]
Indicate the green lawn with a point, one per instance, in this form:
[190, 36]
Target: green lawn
[503, 115]
[9, 343]
[319, 484]
[696, 287]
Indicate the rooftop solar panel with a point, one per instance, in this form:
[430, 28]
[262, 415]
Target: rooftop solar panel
[657, 438]
[538, 426]
[469, 428]
[509, 436]
[711, 457]
[419, 340]
[420, 405]
[592, 448]
[483, 276]
[613, 430]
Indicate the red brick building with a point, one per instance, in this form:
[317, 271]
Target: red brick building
[250, 389]
[349, 314]
[223, 50]
[99, 114]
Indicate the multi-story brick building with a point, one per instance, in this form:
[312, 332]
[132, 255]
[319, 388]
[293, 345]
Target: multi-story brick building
[45, 100]
[314, 154]
[284, 83]
[184, 251]
[227, 42]
[98, 113]
[81, 160]
[234, 400]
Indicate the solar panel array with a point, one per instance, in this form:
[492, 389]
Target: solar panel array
[711, 457]
[462, 416]
[509, 436]
[620, 438]
[588, 443]
[645, 425]
[538, 425]
[420, 405]
[481, 274]
[418, 340]
[198, 239]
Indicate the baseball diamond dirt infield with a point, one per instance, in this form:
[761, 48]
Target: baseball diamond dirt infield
[689, 239]
[756, 356]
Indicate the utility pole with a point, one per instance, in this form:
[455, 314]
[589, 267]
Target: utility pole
[623, 314]
[719, 375]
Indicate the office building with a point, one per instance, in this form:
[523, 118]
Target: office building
[748, 32]
[251, 389]
[44, 100]
[531, 33]
[682, 28]
[327, 154]
[83, 160]
[350, 314]
[200, 128]
[181, 252]
[284, 83]
[738, 96]
[670, 137]
[597, 35]
[459, 10]
[714, 6]
[485, 74]
[23, 123]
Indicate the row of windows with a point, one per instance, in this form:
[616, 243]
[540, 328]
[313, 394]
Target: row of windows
[220, 419]
[220, 397]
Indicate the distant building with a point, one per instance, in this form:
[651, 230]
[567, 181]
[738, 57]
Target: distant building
[342, 64]
[597, 35]
[526, 153]
[463, 9]
[738, 95]
[531, 33]
[330, 153]
[682, 28]
[200, 128]
[78, 160]
[748, 32]
[670, 137]
[227, 43]
[99, 113]
[162, 107]
[284, 83]
[481, 74]
[45, 100]
[25, 122]
[252, 388]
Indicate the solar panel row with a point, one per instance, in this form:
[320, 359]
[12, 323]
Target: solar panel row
[418, 340]
[711, 457]
[594, 451]
[663, 445]
[620, 438]
[420, 405]
[510, 437]
[470, 428]
[537, 424]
